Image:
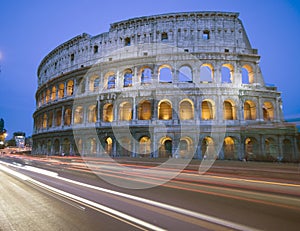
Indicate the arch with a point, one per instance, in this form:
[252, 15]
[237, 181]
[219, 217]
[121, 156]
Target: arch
[81, 85]
[251, 148]
[229, 148]
[268, 111]
[125, 111]
[45, 120]
[208, 148]
[227, 73]
[56, 147]
[78, 115]
[207, 109]
[185, 147]
[127, 78]
[164, 36]
[50, 119]
[66, 147]
[58, 116]
[165, 148]
[186, 109]
[70, 87]
[68, 117]
[108, 146]
[229, 112]
[165, 74]
[127, 41]
[47, 95]
[92, 114]
[206, 73]
[61, 90]
[145, 146]
[144, 110]
[249, 110]
[108, 114]
[110, 80]
[271, 149]
[165, 110]
[185, 74]
[53, 93]
[247, 74]
[94, 83]
[146, 75]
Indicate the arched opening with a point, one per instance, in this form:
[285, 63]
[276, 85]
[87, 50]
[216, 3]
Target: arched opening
[108, 115]
[66, 147]
[185, 74]
[92, 114]
[165, 149]
[53, 93]
[186, 147]
[81, 86]
[47, 95]
[45, 120]
[268, 111]
[128, 78]
[125, 111]
[146, 75]
[79, 145]
[110, 80]
[206, 73]
[186, 109]
[127, 41]
[68, 117]
[165, 74]
[229, 148]
[56, 147]
[247, 74]
[227, 73]
[249, 110]
[229, 110]
[165, 110]
[61, 90]
[287, 149]
[251, 148]
[108, 146]
[164, 36]
[50, 119]
[207, 110]
[208, 148]
[78, 115]
[271, 149]
[145, 146]
[144, 110]
[94, 83]
[70, 87]
[58, 117]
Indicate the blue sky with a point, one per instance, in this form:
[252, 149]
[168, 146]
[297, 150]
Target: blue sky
[30, 29]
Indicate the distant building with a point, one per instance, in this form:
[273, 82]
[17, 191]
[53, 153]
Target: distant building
[171, 81]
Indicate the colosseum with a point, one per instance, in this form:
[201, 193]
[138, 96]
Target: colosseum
[172, 85]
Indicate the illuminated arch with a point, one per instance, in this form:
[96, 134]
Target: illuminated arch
[94, 83]
[61, 90]
[128, 78]
[186, 109]
[268, 111]
[227, 73]
[78, 115]
[207, 109]
[229, 148]
[165, 149]
[165, 110]
[145, 145]
[249, 110]
[92, 114]
[144, 110]
[70, 87]
[110, 80]
[53, 93]
[67, 117]
[125, 111]
[229, 111]
[108, 114]
[247, 74]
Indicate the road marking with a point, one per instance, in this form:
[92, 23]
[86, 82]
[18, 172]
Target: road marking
[109, 211]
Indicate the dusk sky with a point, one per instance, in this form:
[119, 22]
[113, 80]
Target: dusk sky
[31, 29]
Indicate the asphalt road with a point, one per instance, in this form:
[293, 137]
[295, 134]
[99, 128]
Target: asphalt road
[73, 199]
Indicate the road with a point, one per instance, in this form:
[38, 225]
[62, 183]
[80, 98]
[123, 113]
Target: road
[66, 196]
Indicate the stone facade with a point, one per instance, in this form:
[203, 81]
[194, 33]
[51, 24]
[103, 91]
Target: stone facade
[161, 86]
